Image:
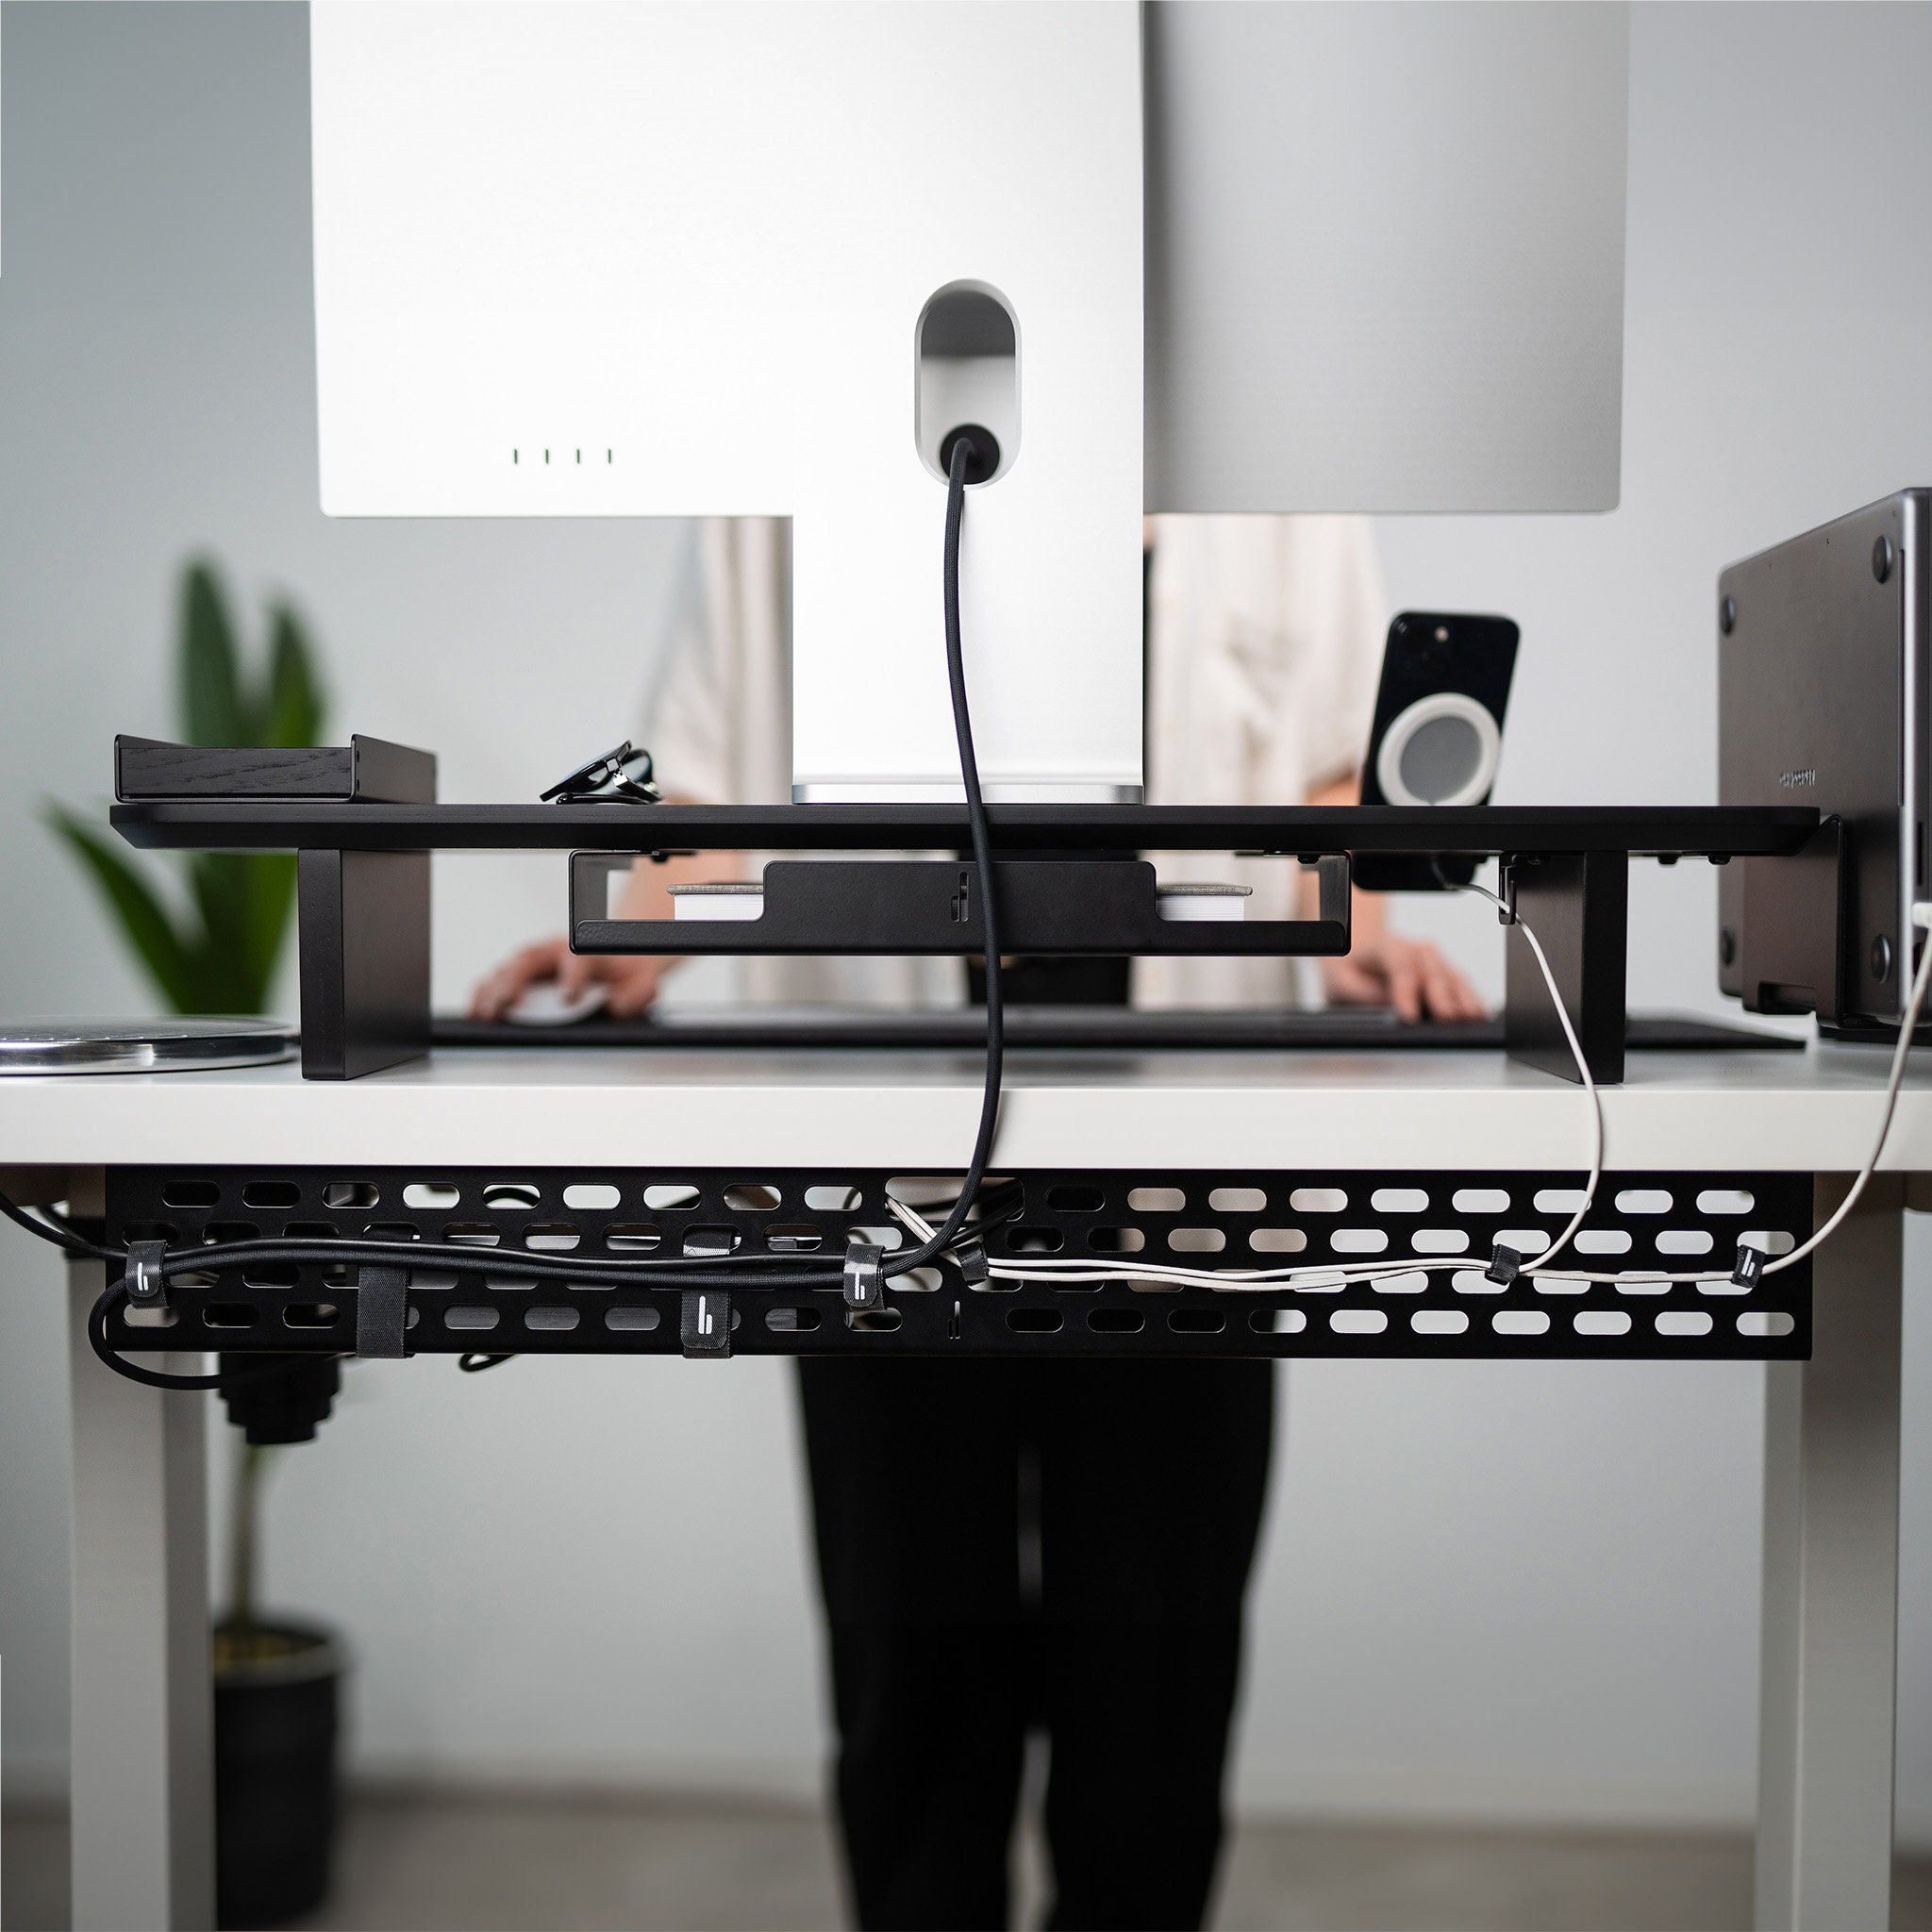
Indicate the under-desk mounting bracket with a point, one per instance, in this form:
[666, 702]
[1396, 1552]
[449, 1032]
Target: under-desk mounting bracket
[1086, 905]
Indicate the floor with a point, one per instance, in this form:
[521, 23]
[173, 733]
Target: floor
[517, 1864]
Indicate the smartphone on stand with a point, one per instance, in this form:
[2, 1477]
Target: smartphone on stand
[1438, 735]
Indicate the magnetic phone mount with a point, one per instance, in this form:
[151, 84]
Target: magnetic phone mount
[1442, 749]
[1438, 733]
[622, 776]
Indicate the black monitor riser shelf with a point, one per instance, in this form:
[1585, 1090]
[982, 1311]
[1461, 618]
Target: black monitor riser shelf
[1068, 882]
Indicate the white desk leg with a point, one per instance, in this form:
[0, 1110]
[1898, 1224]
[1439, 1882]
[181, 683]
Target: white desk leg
[143, 1765]
[1829, 1689]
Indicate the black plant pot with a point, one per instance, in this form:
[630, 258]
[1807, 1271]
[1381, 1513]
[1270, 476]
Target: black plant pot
[276, 1696]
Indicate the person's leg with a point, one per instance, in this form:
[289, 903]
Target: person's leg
[1152, 1477]
[914, 1475]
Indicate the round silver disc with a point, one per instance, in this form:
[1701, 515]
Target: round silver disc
[193, 1044]
[1441, 758]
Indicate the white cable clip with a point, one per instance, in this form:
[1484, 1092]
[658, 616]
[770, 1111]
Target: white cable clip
[142, 1279]
[865, 1287]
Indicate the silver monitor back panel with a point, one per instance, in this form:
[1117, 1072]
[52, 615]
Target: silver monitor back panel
[1823, 666]
[1385, 255]
[678, 258]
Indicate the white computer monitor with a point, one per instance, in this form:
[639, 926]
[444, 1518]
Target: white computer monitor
[675, 258]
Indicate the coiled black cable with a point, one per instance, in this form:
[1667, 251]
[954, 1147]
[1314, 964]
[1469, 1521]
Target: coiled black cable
[111, 1298]
[749, 1271]
[79, 1248]
[56, 1230]
[684, 1271]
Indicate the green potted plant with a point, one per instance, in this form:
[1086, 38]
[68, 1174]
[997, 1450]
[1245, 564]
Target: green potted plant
[218, 955]
[275, 1680]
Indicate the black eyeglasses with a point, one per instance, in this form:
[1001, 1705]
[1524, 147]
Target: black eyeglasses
[619, 778]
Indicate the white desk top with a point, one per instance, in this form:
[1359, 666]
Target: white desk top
[557, 1106]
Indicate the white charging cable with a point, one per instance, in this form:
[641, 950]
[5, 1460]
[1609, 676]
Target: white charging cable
[1922, 917]
[1336, 1274]
[1368, 1273]
[1511, 917]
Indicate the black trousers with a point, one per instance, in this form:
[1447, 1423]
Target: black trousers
[1057, 1545]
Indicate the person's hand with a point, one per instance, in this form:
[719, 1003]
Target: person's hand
[1409, 975]
[631, 979]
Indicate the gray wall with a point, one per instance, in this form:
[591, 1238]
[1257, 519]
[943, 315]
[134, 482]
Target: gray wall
[1485, 1589]
[157, 398]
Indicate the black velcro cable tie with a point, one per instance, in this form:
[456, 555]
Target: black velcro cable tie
[143, 1278]
[706, 1327]
[382, 1312]
[1506, 1264]
[1748, 1269]
[971, 1259]
[864, 1286]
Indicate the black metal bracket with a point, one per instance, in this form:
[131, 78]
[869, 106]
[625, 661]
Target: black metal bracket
[1791, 922]
[1578, 905]
[364, 947]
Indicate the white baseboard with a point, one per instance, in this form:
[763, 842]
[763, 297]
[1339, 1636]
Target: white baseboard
[1336, 1794]
[1274, 1794]
[1265, 1795]
[749, 1780]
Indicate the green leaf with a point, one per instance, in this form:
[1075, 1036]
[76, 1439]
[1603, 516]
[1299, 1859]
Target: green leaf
[223, 957]
[271, 904]
[142, 916]
[213, 707]
[245, 899]
[296, 703]
[218, 882]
